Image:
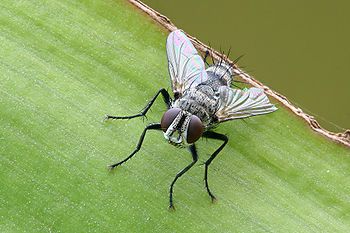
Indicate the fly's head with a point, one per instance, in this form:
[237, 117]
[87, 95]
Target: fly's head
[180, 127]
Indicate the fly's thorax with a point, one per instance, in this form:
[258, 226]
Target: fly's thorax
[181, 127]
[201, 101]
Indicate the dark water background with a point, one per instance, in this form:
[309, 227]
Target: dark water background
[299, 48]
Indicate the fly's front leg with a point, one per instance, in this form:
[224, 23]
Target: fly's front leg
[166, 98]
[183, 171]
[155, 126]
[217, 136]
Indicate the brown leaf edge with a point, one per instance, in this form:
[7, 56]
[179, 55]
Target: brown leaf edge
[343, 138]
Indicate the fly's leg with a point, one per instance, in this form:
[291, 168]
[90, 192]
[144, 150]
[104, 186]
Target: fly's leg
[166, 98]
[205, 57]
[217, 136]
[183, 171]
[155, 126]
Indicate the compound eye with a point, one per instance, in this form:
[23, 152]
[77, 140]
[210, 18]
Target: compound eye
[168, 118]
[195, 129]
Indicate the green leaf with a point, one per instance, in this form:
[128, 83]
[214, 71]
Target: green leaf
[65, 64]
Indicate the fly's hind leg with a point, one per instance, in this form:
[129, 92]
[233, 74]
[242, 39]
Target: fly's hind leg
[217, 136]
[166, 98]
[205, 57]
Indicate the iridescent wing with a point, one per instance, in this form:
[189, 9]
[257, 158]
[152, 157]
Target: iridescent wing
[186, 67]
[236, 103]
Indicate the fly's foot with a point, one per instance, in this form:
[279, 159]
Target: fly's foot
[107, 117]
[112, 167]
[171, 207]
[213, 198]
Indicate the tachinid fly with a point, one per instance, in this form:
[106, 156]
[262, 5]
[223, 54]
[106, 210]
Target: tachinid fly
[202, 98]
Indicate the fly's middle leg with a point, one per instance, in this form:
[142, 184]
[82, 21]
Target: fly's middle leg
[166, 98]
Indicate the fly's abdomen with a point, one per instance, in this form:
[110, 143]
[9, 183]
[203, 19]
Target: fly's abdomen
[219, 74]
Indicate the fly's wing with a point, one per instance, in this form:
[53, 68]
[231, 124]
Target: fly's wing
[236, 104]
[186, 67]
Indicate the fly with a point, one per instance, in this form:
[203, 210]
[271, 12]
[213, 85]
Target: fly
[203, 98]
